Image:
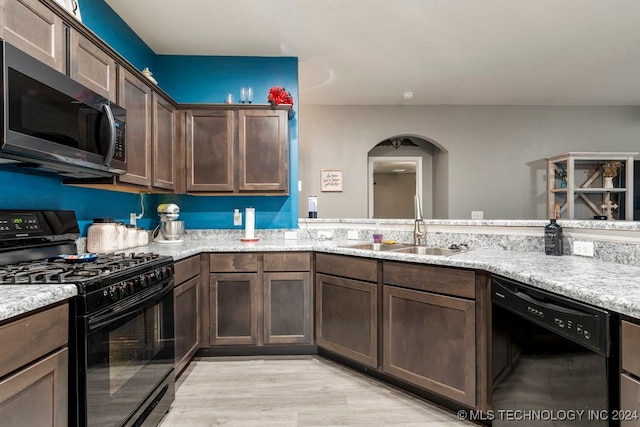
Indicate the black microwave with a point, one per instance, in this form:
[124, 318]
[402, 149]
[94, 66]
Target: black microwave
[53, 124]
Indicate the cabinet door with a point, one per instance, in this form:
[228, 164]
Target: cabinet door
[429, 340]
[92, 66]
[287, 308]
[37, 395]
[35, 29]
[164, 145]
[210, 155]
[263, 138]
[135, 97]
[233, 308]
[187, 330]
[347, 318]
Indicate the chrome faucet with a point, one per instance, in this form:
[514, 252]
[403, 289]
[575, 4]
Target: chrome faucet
[419, 227]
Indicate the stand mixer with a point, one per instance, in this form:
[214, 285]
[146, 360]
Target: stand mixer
[169, 230]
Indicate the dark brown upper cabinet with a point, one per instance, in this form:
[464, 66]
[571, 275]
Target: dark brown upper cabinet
[237, 150]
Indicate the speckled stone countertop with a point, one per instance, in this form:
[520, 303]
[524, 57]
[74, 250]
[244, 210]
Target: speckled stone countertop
[20, 299]
[612, 286]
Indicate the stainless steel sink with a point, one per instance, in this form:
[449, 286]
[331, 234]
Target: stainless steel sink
[407, 248]
[430, 250]
[379, 246]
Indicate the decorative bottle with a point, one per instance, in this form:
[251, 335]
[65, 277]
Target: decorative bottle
[553, 238]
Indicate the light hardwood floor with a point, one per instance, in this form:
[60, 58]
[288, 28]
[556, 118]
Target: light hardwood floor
[293, 391]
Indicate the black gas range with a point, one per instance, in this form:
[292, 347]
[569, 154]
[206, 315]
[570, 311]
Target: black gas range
[107, 279]
[122, 337]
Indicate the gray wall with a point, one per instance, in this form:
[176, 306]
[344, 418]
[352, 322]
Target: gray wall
[494, 158]
[394, 195]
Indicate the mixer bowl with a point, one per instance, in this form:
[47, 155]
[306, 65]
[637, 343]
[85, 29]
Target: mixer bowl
[172, 230]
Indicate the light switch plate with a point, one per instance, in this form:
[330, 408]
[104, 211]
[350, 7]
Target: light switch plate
[352, 235]
[237, 217]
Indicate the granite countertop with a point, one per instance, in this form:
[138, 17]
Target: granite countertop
[20, 299]
[611, 286]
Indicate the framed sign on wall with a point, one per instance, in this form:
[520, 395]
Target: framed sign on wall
[331, 180]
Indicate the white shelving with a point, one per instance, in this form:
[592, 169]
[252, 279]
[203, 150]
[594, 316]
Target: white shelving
[582, 193]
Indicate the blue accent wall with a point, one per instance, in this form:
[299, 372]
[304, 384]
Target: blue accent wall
[25, 191]
[208, 79]
[188, 79]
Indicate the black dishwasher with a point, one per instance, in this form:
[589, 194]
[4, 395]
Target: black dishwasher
[554, 360]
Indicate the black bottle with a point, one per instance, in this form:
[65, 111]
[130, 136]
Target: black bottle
[553, 238]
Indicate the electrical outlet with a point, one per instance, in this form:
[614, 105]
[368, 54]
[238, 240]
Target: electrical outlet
[325, 235]
[583, 248]
[477, 214]
[237, 217]
[352, 235]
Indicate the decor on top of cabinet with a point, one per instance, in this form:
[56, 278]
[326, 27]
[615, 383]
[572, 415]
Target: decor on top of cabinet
[72, 7]
[279, 96]
[148, 74]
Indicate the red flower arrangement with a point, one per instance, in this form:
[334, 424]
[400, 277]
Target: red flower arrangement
[278, 95]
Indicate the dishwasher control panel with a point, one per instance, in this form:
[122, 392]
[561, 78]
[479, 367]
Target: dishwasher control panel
[581, 323]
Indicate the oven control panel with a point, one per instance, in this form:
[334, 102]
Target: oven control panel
[19, 223]
[18, 227]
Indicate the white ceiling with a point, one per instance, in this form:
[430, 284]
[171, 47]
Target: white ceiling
[369, 52]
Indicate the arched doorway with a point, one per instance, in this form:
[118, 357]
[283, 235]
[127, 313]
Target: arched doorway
[401, 167]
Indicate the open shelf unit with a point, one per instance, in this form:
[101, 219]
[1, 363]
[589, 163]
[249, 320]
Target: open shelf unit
[576, 187]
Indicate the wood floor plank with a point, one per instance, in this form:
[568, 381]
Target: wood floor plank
[297, 391]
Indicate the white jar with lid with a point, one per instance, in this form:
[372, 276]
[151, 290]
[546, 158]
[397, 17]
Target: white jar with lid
[143, 237]
[132, 235]
[122, 235]
[102, 236]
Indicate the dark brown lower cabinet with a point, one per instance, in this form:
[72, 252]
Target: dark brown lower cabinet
[187, 330]
[37, 394]
[630, 376]
[347, 318]
[34, 373]
[287, 308]
[429, 341]
[187, 303]
[259, 299]
[629, 401]
[233, 305]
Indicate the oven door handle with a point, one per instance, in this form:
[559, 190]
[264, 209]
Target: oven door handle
[130, 306]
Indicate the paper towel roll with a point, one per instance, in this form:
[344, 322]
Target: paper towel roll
[249, 223]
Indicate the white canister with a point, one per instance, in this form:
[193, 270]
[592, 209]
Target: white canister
[102, 236]
[143, 237]
[122, 235]
[132, 235]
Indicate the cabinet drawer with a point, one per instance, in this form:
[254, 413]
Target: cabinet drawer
[186, 269]
[32, 337]
[630, 347]
[233, 263]
[428, 278]
[629, 399]
[287, 261]
[346, 266]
